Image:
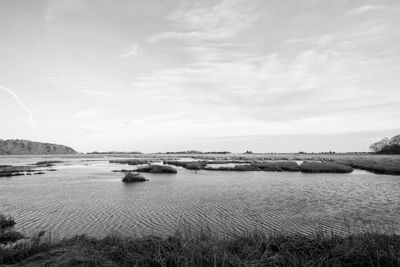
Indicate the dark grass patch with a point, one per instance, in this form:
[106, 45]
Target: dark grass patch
[157, 169]
[10, 237]
[379, 166]
[123, 170]
[239, 168]
[6, 222]
[132, 161]
[324, 167]
[47, 163]
[190, 165]
[8, 171]
[277, 166]
[7, 235]
[131, 178]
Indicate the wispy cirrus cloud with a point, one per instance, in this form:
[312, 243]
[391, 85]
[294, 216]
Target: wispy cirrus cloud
[23, 106]
[79, 88]
[90, 113]
[133, 51]
[208, 23]
[94, 92]
[365, 8]
[320, 40]
[313, 83]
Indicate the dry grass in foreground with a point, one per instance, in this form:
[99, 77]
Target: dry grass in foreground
[202, 248]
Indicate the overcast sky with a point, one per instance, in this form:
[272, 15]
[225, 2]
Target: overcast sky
[157, 75]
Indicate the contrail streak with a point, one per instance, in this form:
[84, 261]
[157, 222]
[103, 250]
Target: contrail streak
[19, 101]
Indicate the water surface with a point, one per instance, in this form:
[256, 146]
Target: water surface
[84, 196]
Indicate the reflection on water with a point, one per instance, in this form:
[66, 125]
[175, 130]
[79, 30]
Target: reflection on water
[86, 197]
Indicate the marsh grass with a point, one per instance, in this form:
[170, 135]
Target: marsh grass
[6, 222]
[375, 165]
[7, 235]
[156, 169]
[8, 171]
[289, 166]
[278, 166]
[133, 161]
[202, 247]
[132, 178]
[190, 165]
[47, 163]
[324, 167]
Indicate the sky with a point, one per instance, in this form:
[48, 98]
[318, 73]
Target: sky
[210, 75]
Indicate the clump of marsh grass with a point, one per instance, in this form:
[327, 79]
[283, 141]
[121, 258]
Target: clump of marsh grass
[133, 161]
[190, 165]
[157, 169]
[47, 163]
[272, 166]
[7, 234]
[381, 165]
[277, 166]
[132, 178]
[324, 167]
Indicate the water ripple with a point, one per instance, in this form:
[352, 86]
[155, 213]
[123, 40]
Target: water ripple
[89, 198]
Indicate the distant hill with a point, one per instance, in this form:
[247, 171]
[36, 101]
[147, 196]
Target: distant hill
[25, 147]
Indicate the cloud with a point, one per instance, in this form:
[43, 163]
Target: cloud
[90, 113]
[241, 82]
[322, 40]
[218, 22]
[79, 88]
[94, 93]
[19, 101]
[362, 9]
[133, 51]
[269, 90]
[55, 8]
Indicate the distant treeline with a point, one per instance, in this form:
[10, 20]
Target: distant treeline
[115, 152]
[387, 146]
[198, 152]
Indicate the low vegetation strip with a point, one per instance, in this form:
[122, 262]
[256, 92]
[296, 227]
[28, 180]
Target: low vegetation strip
[133, 161]
[8, 171]
[280, 166]
[205, 249]
[378, 166]
[201, 247]
[157, 169]
[277, 166]
[324, 167]
[190, 165]
[372, 163]
[47, 163]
